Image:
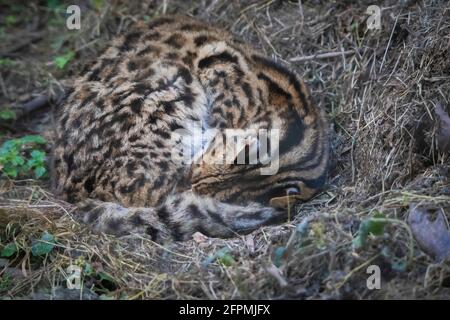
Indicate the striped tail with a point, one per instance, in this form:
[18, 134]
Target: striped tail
[179, 218]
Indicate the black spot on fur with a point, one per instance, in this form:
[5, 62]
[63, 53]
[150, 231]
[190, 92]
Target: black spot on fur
[88, 99]
[186, 75]
[172, 56]
[131, 167]
[130, 40]
[136, 219]
[216, 217]
[175, 126]
[200, 40]
[142, 88]
[152, 36]
[163, 165]
[136, 105]
[221, 57]
[159, 144]
[133, 138]
[195, 212]
[94, 75]
[69, 159]
[114, 225]
[89, 184]
[163, 134]
[176, 41]
[152, 232]
[132, 66]
[193, 27]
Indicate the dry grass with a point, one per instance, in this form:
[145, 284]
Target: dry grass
[379, 89]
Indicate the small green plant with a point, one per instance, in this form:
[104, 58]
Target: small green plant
[223, 256]
[98, 4]
[373, 225]
[44, 245]
[9, 250]
[6, 62]
[7, 114]
[23, 156]
[62, 60]
[10, 20]
[6, 282]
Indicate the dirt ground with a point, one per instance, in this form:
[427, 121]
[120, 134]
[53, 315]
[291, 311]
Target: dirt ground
[387, 96]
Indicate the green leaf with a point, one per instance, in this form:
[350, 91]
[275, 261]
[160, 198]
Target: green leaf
[6, 62]
[10, 171]
[43, 246]
[278, 256]
[62, 60]
[53, 4]
[7, 114]
[98, 4]
[8, 250]
[88, 269]
[373, 225]
[9, 146]
[39, 172]
[359, 241]
[10, 20]
[17, 160]
[224, 257]
[38, 155]
[32, 139]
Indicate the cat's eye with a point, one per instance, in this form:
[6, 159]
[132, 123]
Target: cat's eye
[291, 191]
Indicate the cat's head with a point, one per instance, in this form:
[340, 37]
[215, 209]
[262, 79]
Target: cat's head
[291, 152]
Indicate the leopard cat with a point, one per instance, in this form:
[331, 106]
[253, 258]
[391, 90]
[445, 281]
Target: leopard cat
[113, 150]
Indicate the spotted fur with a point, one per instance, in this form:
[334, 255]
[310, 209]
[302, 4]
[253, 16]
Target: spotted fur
[113, 152]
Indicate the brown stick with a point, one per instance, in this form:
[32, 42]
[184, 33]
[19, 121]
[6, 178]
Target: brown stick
[21, 44]
[322, 56]
[35, 104]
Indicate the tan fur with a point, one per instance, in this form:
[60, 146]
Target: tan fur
[113, 154]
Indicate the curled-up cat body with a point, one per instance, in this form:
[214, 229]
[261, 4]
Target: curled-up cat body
[145, 138]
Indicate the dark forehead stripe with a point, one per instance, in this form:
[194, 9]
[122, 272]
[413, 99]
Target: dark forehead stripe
[292, 78]
[294, 134]
[273, 87]
[221, 57]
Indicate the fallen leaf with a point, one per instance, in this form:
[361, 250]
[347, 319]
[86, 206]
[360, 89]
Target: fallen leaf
[9, 250]
[373, 225]
[222, 256]
[44, 245]
[433, 237]
[443, 133]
